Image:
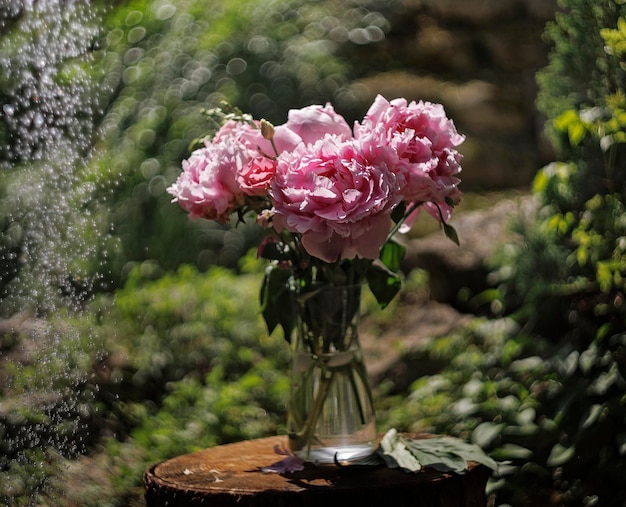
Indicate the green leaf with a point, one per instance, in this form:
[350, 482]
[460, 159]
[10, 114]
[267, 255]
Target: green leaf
[438, 459]
[560, 455]
[398, 213]
[445, 454]
[449, 201]
[486, 432]
[511, 451]
[383, 283]
[393, 450]
[605, 381]
[588, 358]
[566, 118]
[448, 453]
[276, 301]
[391, 255]
[450, 233]
[576, 132]
[592, 414]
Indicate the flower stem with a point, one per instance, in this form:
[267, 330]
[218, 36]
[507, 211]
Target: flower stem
[408, 212]
[306, 437]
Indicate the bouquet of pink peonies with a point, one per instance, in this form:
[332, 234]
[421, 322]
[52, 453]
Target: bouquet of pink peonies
[332, 197]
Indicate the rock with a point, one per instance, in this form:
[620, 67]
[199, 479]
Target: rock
[392, 355]
[479, 59]
[452, 268]
[499, 151]
[387, 354]
[477, 12]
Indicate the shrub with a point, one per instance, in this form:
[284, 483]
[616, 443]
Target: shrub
[568, 279]
[543, 385]
[581, 73]
[174, 363]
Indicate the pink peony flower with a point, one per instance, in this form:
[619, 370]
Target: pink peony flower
[248, 136]
[338, 195]
[424, 139]
[254, 177]
[208, 186]
[308, 125]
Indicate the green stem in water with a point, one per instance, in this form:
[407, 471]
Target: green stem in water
[309, 426]
[356, 370]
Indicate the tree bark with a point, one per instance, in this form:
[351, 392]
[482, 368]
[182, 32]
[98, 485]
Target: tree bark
[230, 475]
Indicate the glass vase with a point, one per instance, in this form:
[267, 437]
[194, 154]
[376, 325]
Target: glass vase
[331, 415]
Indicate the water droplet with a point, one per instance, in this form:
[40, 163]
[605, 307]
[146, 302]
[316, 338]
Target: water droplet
[133, 17]
[165, 11]
[38, 120]
[236, 66]
[50, 124]
[136, 34]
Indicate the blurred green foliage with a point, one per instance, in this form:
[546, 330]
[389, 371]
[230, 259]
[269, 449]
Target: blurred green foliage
[166, 61]
[580, 81]
[202, 370]
[173, 364]
[101, 102]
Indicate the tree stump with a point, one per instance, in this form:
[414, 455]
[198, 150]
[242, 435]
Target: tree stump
[230, 475]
